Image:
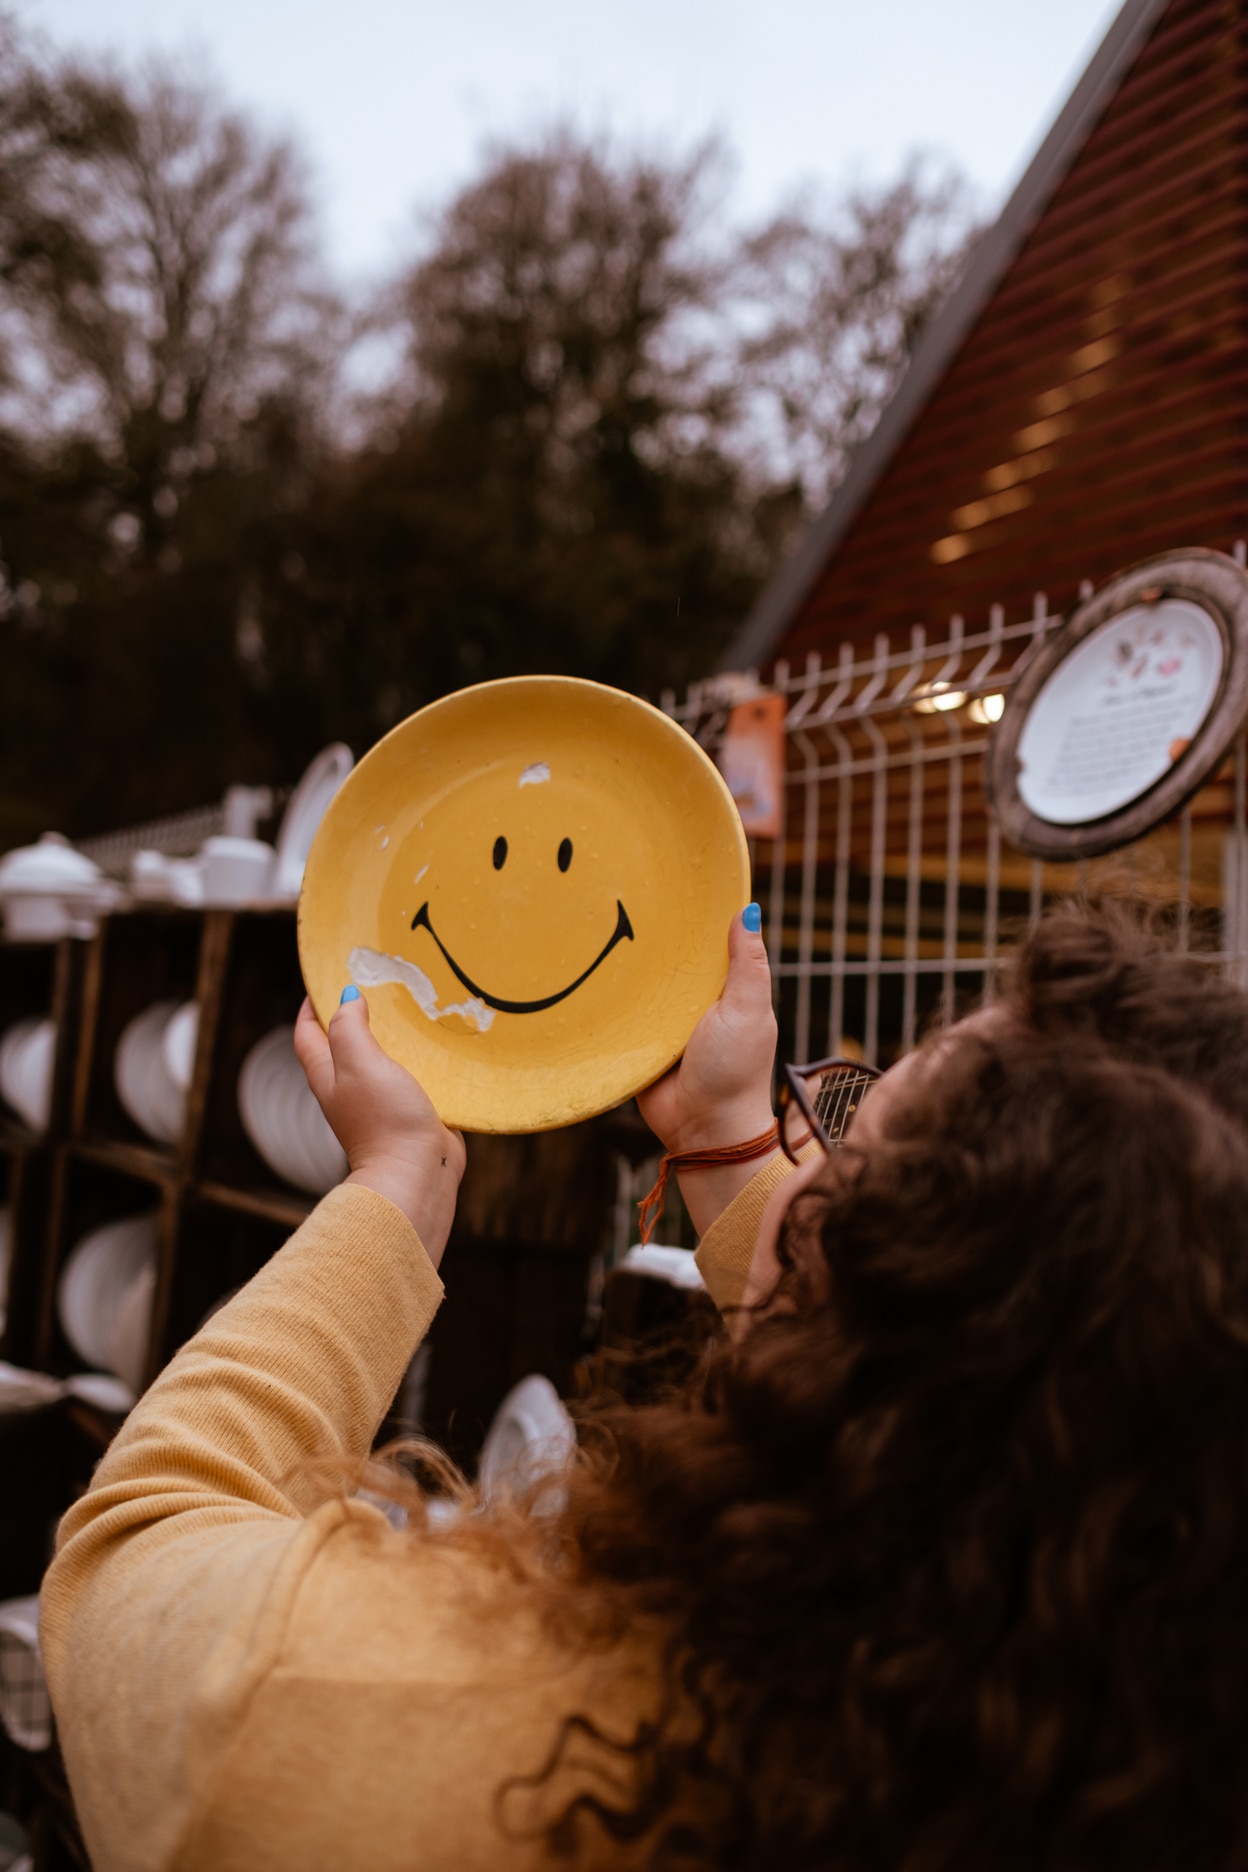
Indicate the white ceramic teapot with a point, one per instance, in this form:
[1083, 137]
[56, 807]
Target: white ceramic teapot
[49, 890]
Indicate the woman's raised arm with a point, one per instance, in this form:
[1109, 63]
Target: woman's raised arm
[165, 1607]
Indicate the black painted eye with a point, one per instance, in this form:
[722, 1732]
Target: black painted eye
[565, 854]
[500, 853]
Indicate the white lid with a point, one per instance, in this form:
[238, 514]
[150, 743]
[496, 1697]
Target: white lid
[51, 865]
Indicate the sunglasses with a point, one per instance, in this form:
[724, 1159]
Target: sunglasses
[818, 1103]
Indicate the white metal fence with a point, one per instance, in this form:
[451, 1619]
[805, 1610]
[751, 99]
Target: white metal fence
[890, 893]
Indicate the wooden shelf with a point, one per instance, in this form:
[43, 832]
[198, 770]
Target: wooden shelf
[15, 1136]
[97, 1426]
[270, 1205]
[533, 1211]
[153, 1163]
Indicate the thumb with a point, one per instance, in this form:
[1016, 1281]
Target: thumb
[349, 1036]
[747, 989]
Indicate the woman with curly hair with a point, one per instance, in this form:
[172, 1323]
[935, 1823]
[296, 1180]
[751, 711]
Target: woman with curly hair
[939, 1560]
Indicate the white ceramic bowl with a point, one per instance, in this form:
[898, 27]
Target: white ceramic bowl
[49, 890]
[36, 917]
[237, 870]
[156, 878]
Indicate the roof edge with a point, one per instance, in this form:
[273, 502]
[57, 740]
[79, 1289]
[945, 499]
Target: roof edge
[989, 261]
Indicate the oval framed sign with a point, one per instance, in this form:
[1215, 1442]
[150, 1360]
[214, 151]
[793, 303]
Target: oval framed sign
[1122, 715]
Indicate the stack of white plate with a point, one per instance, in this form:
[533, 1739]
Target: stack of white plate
[283, 1119]
[153, 1064]
[27, 1052]
[104, 1296]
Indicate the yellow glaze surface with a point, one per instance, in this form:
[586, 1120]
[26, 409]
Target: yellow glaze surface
[532, 881]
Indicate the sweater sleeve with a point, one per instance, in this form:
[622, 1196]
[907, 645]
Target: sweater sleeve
[727, 1249]
[174, 1576]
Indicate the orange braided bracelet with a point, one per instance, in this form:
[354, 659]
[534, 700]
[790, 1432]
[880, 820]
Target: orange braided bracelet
[701, 1160]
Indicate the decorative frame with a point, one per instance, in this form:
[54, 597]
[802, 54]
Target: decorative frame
[1209, 580]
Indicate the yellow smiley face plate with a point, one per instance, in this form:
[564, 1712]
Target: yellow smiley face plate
[532, 881]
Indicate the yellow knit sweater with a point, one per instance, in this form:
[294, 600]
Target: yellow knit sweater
[250, 1679]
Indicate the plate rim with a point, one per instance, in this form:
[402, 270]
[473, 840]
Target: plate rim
[663, 722]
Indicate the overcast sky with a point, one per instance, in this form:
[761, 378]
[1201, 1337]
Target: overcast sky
[393, 99]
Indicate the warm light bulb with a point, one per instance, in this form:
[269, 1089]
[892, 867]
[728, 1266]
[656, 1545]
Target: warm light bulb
[939, 697]
[987, 709]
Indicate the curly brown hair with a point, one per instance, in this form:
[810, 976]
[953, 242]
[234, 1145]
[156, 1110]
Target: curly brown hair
[952, 1550]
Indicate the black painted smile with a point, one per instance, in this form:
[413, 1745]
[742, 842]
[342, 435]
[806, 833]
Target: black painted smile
[623, 928]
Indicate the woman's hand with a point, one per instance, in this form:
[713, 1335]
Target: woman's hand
[720, 1091]
[395, 1142]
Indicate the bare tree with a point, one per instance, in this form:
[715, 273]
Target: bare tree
[44, 123]
[832, 298]
[604, 293]
[554, 441]
[571, 298]
[181, 296]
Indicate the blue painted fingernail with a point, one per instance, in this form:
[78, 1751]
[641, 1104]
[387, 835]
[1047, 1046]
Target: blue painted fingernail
[752, 917]
[349, 993]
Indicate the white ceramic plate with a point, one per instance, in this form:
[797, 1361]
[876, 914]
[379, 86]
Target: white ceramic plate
[101, 1389]
[281, 1115]
[323, 1156]
[254, 1094]
[73, 1302]
[166, 1100]
[10, 1047]
[27, 1053]
[283, 1119]
[129, 1325]
[143, 1083]
[35, 1067]
[531, 1435]
[260, 1100]
[306, 809]
[94, 1297]
[290, 1115]
[180, 1041]
[79, 1291]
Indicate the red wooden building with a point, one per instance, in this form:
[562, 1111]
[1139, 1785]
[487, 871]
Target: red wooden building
[1079, 404]
[1082, 399]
